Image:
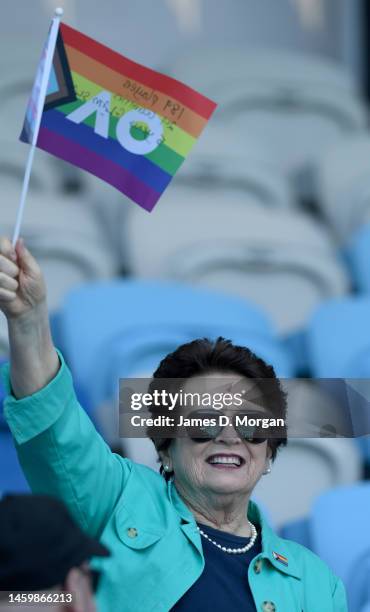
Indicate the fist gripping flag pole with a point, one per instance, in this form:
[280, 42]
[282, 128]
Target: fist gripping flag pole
[123, 122]
[35, 109]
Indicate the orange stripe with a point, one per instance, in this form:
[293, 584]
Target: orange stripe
[172, 88]
[189, 121]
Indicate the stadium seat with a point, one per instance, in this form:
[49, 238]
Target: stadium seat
[11, 475]
[282, 261]
[209, 67]
[135, 323]
[12, 479]
[322, 531]
[358, 581]
[338, 345]
[65, 237]
[307, 467]
[343, 179]
[220, 160]
[340, 527]
[358, 252]
[320, 408]
[294, 105]
[298, 531]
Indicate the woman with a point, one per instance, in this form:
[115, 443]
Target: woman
[192, 540]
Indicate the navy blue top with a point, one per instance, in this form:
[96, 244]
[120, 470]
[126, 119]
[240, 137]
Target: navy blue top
[223, 584]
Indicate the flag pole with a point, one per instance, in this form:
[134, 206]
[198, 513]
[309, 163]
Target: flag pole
[40, 105]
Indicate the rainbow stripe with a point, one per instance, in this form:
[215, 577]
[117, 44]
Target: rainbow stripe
[94, 68]
[280, 558]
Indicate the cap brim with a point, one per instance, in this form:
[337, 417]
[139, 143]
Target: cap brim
[96, 549]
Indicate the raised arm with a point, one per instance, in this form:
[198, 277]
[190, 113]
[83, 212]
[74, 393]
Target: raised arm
[33, 359]
[59, 449]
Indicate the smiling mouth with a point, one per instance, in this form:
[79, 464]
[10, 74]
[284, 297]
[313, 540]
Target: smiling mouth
[226, 461]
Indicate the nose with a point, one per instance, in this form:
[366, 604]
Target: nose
[228, 435]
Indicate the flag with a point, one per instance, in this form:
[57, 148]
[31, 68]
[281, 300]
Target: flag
[126, 124]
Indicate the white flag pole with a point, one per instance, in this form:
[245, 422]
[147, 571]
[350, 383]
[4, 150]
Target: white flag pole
[40, 106]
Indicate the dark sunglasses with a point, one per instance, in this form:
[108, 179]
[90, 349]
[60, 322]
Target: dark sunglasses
[207, 425]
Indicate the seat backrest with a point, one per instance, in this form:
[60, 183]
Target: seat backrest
[359, 255]
[358, 583]
[337, 343]
[344, 185]
[304, 469]
[279, 259]
[340, 526]
[139, 314]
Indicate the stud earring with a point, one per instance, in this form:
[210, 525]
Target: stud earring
[166, 468]
[267, 470]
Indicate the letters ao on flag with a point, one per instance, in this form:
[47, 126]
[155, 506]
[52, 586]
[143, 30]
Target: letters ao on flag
[125, 123]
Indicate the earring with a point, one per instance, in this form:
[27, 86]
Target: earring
[267, 470]
[166, 468]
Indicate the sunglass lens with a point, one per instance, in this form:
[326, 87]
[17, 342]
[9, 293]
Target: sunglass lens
[204, 426]
[249, 432]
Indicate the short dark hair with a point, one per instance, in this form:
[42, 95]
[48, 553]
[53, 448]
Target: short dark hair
[204, 355]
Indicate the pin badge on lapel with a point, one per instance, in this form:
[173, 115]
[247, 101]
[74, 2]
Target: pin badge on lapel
[280, 558]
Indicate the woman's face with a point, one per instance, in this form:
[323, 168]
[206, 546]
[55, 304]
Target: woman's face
[200, 467]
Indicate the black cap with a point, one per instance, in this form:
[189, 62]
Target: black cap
[40, 543]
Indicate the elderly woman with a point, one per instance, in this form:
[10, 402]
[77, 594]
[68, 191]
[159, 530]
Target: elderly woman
[186, 539]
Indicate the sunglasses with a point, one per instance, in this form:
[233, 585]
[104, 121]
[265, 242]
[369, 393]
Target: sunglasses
[207, 425]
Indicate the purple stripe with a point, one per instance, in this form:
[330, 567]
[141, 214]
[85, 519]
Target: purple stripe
[109, 148]
[108, 171]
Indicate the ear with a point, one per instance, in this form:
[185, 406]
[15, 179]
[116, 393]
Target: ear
[166, 460]
[268, 452]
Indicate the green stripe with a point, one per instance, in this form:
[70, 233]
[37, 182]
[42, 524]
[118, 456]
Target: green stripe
[164, 157]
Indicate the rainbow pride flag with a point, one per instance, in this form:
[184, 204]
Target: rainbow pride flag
[126, 124]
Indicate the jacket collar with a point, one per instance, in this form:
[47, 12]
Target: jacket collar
[274, 548]
[188, 524]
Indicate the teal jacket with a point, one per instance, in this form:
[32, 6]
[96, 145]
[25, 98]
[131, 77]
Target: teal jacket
[156, 550]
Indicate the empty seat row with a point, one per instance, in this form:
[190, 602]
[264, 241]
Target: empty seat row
[281, 260]
[293, 106]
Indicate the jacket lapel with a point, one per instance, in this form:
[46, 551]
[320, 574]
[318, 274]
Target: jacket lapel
[274, 548]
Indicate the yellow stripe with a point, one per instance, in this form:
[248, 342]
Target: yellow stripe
[175, 138]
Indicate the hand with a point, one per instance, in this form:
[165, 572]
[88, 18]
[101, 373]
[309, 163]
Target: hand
[22, 287]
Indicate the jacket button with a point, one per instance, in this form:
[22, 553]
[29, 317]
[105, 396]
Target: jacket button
[257, 566]
[132, 532]
[268, 606]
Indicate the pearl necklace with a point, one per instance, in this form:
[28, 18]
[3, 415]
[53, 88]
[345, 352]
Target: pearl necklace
[235, 551]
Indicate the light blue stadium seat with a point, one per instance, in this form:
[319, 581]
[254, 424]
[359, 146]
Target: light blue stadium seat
[338, 344]
[339, 527]
[359, 258]
[12, 479]
[338, 339]
[324, 531]
[359, 584]
[123, 328]
[298, 531]
[11, 476]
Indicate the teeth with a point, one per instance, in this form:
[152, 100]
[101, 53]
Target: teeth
[230, 460]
